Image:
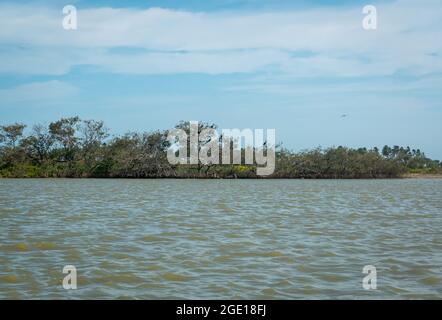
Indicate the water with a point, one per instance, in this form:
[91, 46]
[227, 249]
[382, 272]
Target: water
[220, 239]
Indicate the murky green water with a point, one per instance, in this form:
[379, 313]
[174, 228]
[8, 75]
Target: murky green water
[210, 239]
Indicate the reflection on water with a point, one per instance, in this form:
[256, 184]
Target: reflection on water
[212, 239]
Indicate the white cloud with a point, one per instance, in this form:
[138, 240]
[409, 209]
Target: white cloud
[36, 92]
[213, 43]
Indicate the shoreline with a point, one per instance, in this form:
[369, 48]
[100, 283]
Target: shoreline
[422, 176]
[404, 176]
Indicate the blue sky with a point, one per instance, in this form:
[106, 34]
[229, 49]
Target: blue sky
[296, 66]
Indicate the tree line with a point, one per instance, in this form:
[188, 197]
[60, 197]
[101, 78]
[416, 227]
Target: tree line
[76, 148]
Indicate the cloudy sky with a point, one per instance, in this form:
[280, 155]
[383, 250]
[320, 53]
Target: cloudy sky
[296, 66]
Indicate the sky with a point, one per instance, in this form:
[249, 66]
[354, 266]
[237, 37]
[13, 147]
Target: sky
[294, 66]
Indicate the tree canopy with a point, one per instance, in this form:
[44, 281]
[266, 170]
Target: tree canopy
[71, 147]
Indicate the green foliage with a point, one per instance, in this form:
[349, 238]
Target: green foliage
[71, 147]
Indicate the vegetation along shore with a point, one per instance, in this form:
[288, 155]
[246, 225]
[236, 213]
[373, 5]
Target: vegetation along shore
[75, 148]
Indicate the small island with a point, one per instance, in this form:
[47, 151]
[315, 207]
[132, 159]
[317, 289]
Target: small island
[75, 148]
